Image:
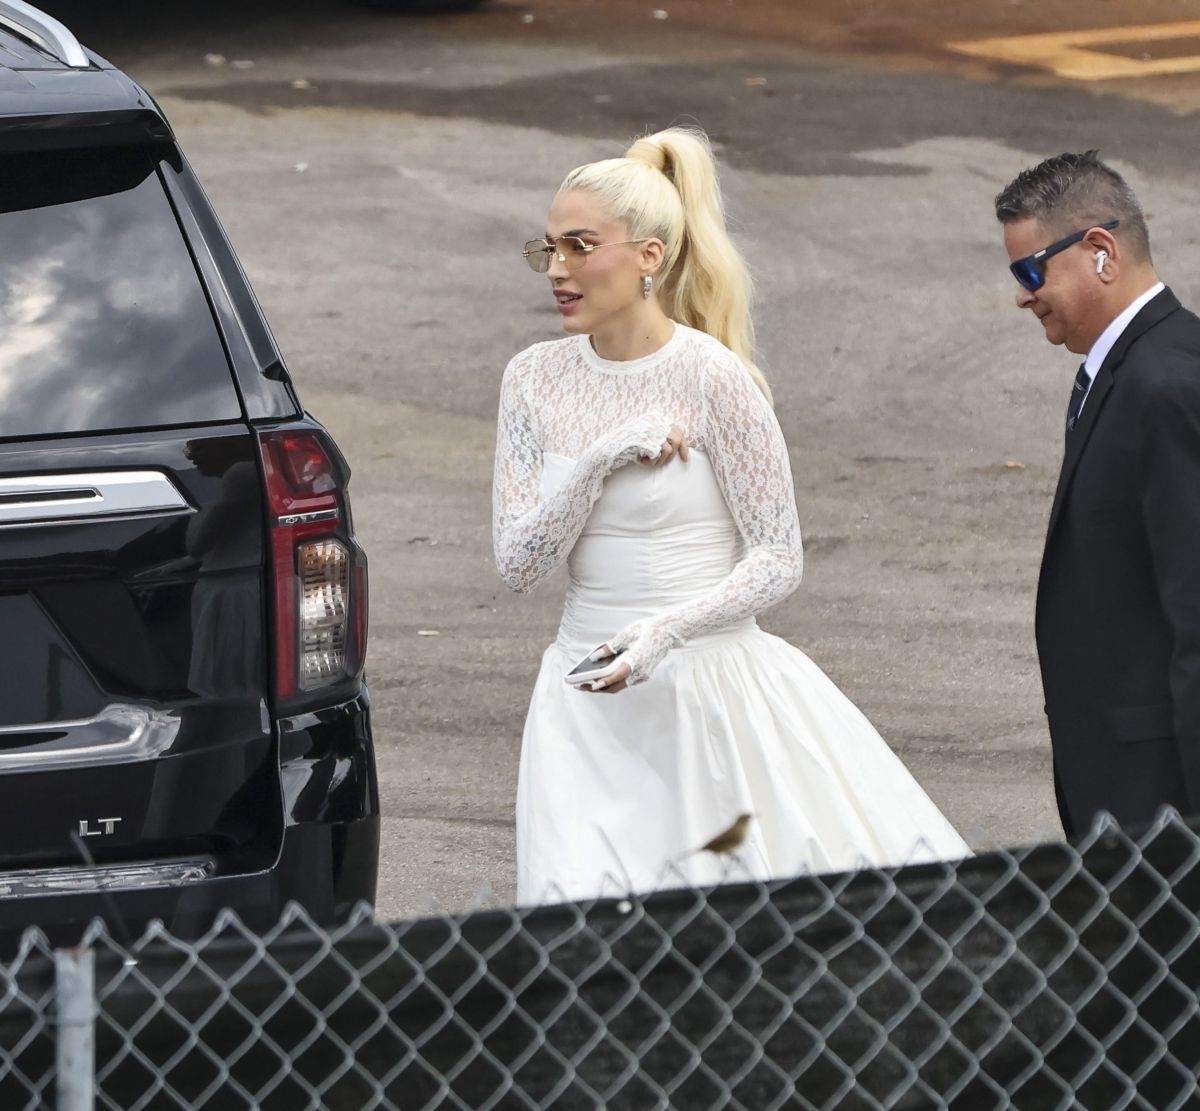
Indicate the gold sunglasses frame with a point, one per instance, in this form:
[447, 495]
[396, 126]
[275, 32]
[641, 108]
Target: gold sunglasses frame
[551, 246]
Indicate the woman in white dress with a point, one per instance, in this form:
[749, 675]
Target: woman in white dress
[643, 450]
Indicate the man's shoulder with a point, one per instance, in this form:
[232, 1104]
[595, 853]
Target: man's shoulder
[1166, 310]
[1183, 321]
[1162, 366]
[1169, 344]
[1175, 315]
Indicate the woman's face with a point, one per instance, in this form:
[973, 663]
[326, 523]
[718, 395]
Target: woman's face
[609, 283]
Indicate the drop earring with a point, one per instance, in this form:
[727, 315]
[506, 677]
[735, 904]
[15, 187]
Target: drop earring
[647, 286]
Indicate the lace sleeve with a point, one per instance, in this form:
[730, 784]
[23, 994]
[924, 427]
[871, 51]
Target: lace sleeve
[530, 536]
[749, 457]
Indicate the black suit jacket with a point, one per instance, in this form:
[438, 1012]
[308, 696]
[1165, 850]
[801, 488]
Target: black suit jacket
[1118, 611]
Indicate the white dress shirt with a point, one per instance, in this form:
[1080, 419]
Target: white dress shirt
[1110, 335]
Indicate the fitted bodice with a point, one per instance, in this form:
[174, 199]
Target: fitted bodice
[656, 538]
[661, 559]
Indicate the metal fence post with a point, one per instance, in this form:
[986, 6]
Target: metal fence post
[75, 995]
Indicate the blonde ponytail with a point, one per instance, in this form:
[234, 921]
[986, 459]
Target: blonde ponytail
[666, 187]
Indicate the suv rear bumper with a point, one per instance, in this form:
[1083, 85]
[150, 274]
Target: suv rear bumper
[327, 861]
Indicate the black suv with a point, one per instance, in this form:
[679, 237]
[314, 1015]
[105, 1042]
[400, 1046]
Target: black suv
[183, 604]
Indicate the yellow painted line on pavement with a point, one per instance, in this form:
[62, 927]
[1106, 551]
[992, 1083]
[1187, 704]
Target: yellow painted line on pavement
[1066, 52]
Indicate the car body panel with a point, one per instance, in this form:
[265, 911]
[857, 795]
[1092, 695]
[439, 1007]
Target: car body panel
[147, 768]
[162, 612]
[263, 381]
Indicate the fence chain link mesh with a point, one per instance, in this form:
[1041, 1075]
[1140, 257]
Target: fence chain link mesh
[1056, 976]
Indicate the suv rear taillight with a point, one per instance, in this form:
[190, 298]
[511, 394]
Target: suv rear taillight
[318, 571]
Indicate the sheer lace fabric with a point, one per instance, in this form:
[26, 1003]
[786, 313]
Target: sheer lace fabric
[560, 397]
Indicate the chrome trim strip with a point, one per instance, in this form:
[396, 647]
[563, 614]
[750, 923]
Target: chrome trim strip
[308, 518]
[33, 882]
[53, 499]
[119, 734]
[43, 30]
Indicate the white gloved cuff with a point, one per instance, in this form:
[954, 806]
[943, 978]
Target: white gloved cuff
[642, 645]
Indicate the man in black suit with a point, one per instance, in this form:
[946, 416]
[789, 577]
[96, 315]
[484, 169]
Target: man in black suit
[1118, 610]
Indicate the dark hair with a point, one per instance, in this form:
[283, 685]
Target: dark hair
[1073, 191]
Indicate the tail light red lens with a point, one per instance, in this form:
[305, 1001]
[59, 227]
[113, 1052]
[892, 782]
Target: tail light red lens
[300, 476]
[318, 571]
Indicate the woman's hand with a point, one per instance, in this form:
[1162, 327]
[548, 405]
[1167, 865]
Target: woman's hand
[641, 647]
[675, 444]
[613, 682]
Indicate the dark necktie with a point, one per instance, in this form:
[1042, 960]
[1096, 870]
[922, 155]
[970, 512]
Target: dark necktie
[1078, 393]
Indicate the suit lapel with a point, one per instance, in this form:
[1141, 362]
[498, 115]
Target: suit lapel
[1153, 312]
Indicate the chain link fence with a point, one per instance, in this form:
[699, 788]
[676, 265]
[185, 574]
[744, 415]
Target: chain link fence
[1058, 976]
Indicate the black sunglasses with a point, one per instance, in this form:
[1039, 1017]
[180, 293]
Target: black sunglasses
[1030, 271]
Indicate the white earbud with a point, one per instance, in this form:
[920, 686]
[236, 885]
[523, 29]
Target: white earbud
[1101, 259]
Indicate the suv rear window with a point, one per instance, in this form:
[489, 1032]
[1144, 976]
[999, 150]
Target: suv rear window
[103, 322]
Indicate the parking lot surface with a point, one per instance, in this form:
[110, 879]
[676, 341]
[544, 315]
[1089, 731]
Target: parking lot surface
[378, 174]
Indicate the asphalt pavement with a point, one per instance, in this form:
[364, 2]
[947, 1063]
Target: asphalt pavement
[378, 175]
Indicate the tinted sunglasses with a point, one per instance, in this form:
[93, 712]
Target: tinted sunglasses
[1030, 271]
[572, 251]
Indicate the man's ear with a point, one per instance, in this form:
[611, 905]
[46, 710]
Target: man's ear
[1106, 253]
[1100, 239]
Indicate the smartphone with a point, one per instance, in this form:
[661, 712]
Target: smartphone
[588, 669]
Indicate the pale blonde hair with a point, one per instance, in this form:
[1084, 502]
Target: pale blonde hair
[665, 187]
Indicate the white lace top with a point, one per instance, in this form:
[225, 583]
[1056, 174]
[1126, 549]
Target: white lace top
[561, 397]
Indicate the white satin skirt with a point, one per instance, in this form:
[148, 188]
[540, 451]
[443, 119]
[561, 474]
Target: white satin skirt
[616, 791]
